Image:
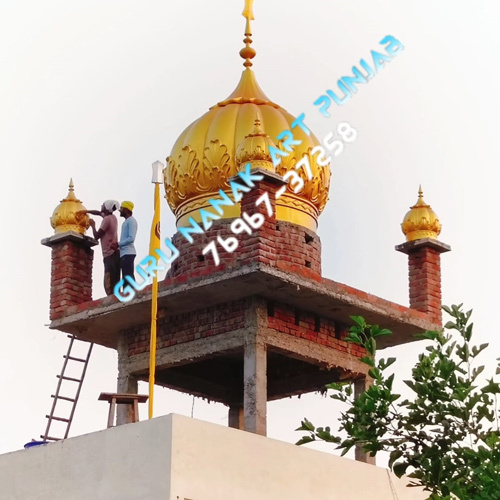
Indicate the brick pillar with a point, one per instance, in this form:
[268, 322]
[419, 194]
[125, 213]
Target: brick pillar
[281, 244]
[71, 271]
[261, 244]
[424, 263]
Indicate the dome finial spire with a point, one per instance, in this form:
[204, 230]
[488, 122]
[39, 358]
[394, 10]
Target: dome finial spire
[248, 52]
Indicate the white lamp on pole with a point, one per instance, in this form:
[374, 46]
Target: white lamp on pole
[157, 172]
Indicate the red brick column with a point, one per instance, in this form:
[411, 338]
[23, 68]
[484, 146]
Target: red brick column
[281, 244]
[71, 271]
[261, 245]
[424, 263]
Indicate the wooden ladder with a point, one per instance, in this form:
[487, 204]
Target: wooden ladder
[73, 400]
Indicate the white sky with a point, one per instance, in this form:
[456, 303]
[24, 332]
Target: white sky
[97, 91]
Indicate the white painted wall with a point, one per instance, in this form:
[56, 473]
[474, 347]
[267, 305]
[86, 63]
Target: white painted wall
[178, 458]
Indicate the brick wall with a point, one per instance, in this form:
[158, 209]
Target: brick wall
[71, 276]
[230, 316]
[308, 326]
[283, 245]
[177, 329]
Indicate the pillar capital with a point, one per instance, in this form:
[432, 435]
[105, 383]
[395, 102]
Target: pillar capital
[272, 177]
[72, 236]
[413, 246]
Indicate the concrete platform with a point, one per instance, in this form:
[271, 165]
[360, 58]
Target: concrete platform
[101, 321]
[179, 458]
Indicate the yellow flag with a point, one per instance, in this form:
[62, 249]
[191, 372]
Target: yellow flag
[154, 243]
[248, 10]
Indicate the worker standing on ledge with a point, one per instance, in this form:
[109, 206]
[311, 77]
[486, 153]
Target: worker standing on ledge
[127, 238]
[108, 235]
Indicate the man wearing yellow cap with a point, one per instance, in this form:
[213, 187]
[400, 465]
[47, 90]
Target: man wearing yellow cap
[127, 238]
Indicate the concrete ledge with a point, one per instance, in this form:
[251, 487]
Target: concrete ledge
[73, 236]
[410, 246]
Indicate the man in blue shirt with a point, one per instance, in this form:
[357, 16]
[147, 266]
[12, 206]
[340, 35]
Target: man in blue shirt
[127, 238]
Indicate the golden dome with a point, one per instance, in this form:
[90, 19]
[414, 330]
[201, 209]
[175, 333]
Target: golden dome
[421, 221]
[216, 146]
[65, 216]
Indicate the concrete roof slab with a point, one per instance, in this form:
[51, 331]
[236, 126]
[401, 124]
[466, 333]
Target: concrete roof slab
[102, 320]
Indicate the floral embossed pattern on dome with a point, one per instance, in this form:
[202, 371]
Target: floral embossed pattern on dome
[421, 221]
[66, 217]
[212, 148]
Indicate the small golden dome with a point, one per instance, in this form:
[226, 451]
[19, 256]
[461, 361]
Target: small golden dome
[66, 217]
[254, 149]
[213, 148]
[421, 221]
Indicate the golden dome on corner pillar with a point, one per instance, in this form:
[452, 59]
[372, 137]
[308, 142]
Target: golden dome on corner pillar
[66, 217]
[421, 221]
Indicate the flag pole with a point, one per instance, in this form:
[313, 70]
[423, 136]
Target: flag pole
[154, 243]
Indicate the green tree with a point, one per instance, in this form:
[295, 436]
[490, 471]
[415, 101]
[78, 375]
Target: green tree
[446, 435]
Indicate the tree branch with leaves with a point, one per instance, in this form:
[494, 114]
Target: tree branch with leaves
[445, 437]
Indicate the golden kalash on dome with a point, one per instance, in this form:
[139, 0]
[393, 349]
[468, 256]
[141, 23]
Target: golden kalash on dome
[232, 133]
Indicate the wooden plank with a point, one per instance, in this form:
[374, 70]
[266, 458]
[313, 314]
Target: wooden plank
[123, 398]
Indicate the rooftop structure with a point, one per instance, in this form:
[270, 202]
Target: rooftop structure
[264, 323]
